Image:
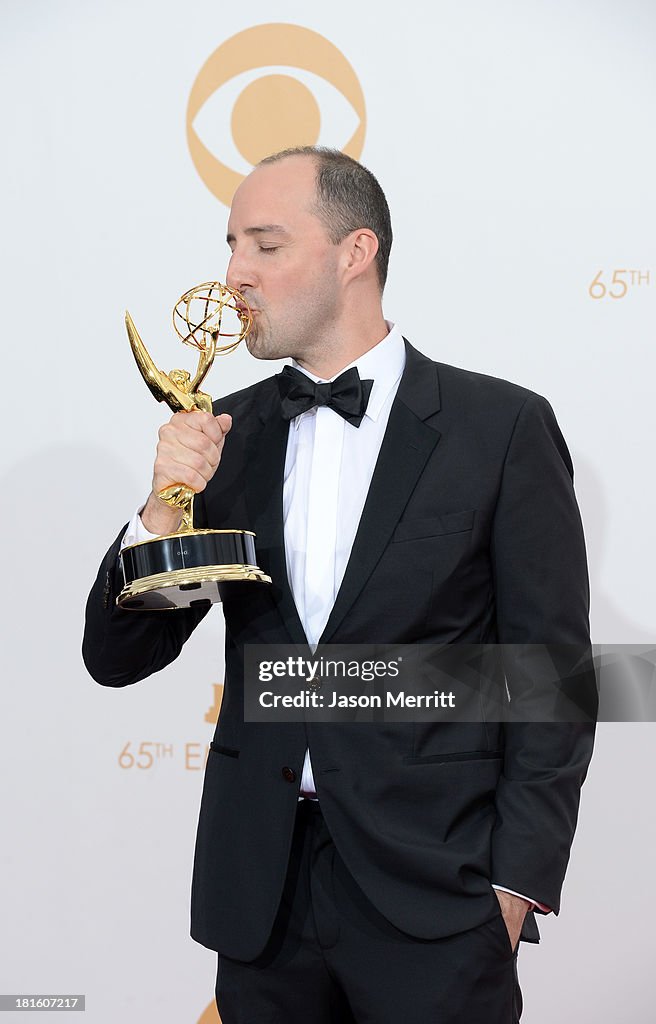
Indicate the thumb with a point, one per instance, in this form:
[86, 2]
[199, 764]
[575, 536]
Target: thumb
[224, 419]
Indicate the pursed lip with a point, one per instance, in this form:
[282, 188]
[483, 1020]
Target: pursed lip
[245, 311]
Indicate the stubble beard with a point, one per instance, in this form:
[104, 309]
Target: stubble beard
[262, 343]
[301, 330]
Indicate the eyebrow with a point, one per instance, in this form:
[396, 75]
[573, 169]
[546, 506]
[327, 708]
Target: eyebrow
[261, 229]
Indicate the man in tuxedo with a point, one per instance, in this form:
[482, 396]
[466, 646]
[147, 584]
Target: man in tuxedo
[352, 872]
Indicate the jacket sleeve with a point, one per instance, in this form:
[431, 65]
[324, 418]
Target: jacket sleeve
[121, 647]
[542, 602]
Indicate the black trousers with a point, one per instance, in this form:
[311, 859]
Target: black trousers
[332, 958]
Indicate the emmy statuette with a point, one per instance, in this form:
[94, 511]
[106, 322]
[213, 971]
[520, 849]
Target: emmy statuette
[185, 569]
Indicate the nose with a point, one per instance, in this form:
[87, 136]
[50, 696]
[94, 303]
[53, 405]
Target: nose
[239, 275]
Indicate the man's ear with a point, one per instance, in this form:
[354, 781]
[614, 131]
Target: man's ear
[360, 249]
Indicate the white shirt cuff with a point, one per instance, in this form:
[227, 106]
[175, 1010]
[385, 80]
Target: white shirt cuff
[534, 903]
[136, 531]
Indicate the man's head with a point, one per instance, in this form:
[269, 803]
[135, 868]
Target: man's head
[310, 235]
[347, 197]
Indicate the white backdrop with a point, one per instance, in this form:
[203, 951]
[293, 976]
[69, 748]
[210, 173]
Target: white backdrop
[515, 143]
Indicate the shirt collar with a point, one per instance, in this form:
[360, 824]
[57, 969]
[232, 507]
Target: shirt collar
[384, 363]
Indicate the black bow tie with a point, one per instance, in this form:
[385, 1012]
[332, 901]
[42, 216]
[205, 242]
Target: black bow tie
[347, 394]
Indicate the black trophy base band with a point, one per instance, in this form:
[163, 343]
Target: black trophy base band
[185, 570]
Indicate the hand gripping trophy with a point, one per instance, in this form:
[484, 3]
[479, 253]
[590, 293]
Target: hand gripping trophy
[184, 569]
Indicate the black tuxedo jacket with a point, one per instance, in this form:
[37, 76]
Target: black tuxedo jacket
[470, 534]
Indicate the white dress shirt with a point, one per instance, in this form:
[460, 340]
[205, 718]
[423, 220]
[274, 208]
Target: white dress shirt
[328, 469]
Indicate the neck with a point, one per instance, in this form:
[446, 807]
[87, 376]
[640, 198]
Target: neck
[343, 343]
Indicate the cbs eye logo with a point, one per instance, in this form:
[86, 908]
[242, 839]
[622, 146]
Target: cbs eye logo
[245, 115]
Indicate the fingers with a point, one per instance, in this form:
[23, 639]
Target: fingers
[215, 427]
[189, 449]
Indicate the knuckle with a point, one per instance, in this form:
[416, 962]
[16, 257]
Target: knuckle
[195, 480]
[196, 418]
[162, 454]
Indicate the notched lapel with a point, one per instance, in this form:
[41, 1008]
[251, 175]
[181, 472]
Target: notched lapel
[407, 445]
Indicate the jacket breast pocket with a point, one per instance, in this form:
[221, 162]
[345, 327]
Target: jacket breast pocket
[454, 758]
[435, 526]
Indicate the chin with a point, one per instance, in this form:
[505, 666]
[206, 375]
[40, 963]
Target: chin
[251, 344]
[256, 350]
[259, 350]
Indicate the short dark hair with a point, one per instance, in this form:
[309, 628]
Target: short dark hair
[348, 197]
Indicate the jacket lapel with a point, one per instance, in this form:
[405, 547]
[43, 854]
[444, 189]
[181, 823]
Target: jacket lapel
[407, 445]
[265, 468]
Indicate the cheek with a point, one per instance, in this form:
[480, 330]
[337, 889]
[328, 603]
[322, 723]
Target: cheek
[297, 290]
[316, 282]
[291, 288]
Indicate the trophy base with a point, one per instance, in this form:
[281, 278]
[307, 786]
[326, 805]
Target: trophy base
[186, 570]
[185, 589]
